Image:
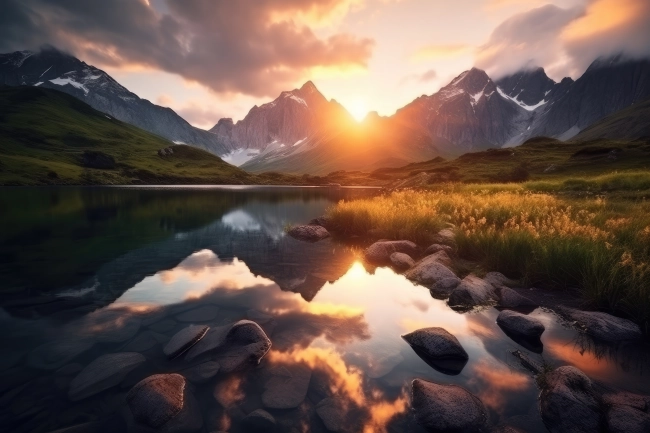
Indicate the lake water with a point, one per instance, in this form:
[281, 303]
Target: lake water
[90, 271]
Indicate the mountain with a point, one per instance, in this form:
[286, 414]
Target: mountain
[528, 87]
[51, 68]
[50, 137]
[629, 123]
[608, 85]
[470, 113]
[285, 122]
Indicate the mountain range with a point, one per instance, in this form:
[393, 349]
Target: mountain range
[303, 132]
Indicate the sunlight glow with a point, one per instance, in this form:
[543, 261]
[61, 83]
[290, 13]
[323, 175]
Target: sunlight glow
[357, 107]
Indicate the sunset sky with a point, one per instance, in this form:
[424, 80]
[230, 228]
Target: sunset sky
[211, 59]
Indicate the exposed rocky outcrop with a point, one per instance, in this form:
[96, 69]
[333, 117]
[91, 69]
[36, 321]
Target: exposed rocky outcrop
[309, 232]
[446, 408]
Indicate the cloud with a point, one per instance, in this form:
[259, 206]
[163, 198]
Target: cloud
[424, 77]
[246, 46]
[440, 51]
[566, 41]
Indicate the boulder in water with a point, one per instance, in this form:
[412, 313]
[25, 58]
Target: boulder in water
[429, 271]
[308, 233]
[520, 324]
[103, 373]
[438, 348]
[379, 252]
[603, 326]
[471, 292]
[401, 261]
[184, 339]
[286, 387]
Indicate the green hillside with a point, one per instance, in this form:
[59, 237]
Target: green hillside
[629, 123]
[49, 137]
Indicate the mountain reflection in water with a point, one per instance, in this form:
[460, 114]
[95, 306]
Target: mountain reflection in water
[335, 326]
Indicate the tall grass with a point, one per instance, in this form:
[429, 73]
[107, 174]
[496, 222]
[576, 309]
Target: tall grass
[598, 246]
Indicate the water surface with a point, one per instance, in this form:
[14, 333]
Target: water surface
[90, 271]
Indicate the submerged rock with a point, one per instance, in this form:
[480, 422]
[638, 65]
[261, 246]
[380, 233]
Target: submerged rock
[57, 353]
[259, 421]
[471, 292]
[379, 252]
[213, 339]
[200, 314]
[333, 413]
[446, 408]
[144, 341]
[520, 324]
[309, 232]
[245, 342]
[429, 271]
[202, 372]
[103, 373]
[184, 339]
[287, 386]
[568, 402]
[163, 402]
[401, 261]
[603, 326]
[439, 348]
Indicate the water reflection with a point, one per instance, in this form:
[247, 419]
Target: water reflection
[337, 357]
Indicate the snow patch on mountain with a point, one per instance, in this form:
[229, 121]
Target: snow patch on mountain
[521, 104]
[64, 81]
[239, 156]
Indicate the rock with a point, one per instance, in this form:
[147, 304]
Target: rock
[322, 221]
[432, 249]
[471, 292]
[506, 429]
[445, 237]
[144, 341]
[287, 386]
[213, 339]
[164, 403]
[509, 298]
[201, 314]
[245, 342]
[57, 353]
[184, 339]
[626, 419]
[641, 402]
[401, 261]
[441, 289]
[332, 412]
[568, 402]
[527, 362]
[258, 317]
[497, 279]
[520, 324]
[103, 373]
[163, 326]
[429, 271]
[446, 408]
[309, 233]
[439, 348]
[203, 372]
[259, 421]
[379, 252]
[603, 326]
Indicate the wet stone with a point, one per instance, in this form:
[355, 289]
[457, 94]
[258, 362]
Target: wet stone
[213, 339]
[520, 324]
[259, 421]
[203, 372]
[308, 233]
[163, 326]
[380, 252]
[429, 271]
[332, 412]
[438, 348]
[627, 419]
[497, 279]
[184, 339]
[446, 408]
[471, 292]
[603, 326]
[103, 373]
[286, 387]
[401, 261]
[57, 353]
[144, 341]
[245, 343]
[441, 289]
[509, 298]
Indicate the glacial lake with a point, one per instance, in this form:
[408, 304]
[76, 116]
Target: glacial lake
[86, 272]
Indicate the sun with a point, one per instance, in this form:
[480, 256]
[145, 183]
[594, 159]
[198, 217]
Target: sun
[357, 108]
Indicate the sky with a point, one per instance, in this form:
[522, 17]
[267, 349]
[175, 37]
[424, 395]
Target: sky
[209, 59]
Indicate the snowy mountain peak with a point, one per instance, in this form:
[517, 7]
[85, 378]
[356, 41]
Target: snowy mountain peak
[528, 87]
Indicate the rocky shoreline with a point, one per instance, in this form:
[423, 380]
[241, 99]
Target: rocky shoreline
[569, 400]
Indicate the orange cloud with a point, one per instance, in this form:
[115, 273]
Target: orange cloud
[496, 383]
[603, 16]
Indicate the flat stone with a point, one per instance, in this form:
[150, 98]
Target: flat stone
[245, 342]
[203, 372]
[379, 252]
[259, 421]
[429, 271]
[497, 279]
[439, 348]
[308, 233]
[568, 402]
[401, 261]
[144, 341]
[471, 292]
[287, 387]
[520, 324]
[626, 419]
[333, 413]
[603, 326]
[432, 249]
[154, 401]
[163, 326]
[446, 408]
[184, 339]
[56, 354]
[201, 314]
[103, 373]
[213, 339]
[509, 298]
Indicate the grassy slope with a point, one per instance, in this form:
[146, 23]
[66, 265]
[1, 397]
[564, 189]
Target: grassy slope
[43, 134]
[631, 123]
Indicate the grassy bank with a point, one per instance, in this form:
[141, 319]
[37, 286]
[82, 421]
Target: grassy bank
[600, 246]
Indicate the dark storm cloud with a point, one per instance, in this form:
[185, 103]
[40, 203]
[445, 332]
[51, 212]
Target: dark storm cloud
[239, 46]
